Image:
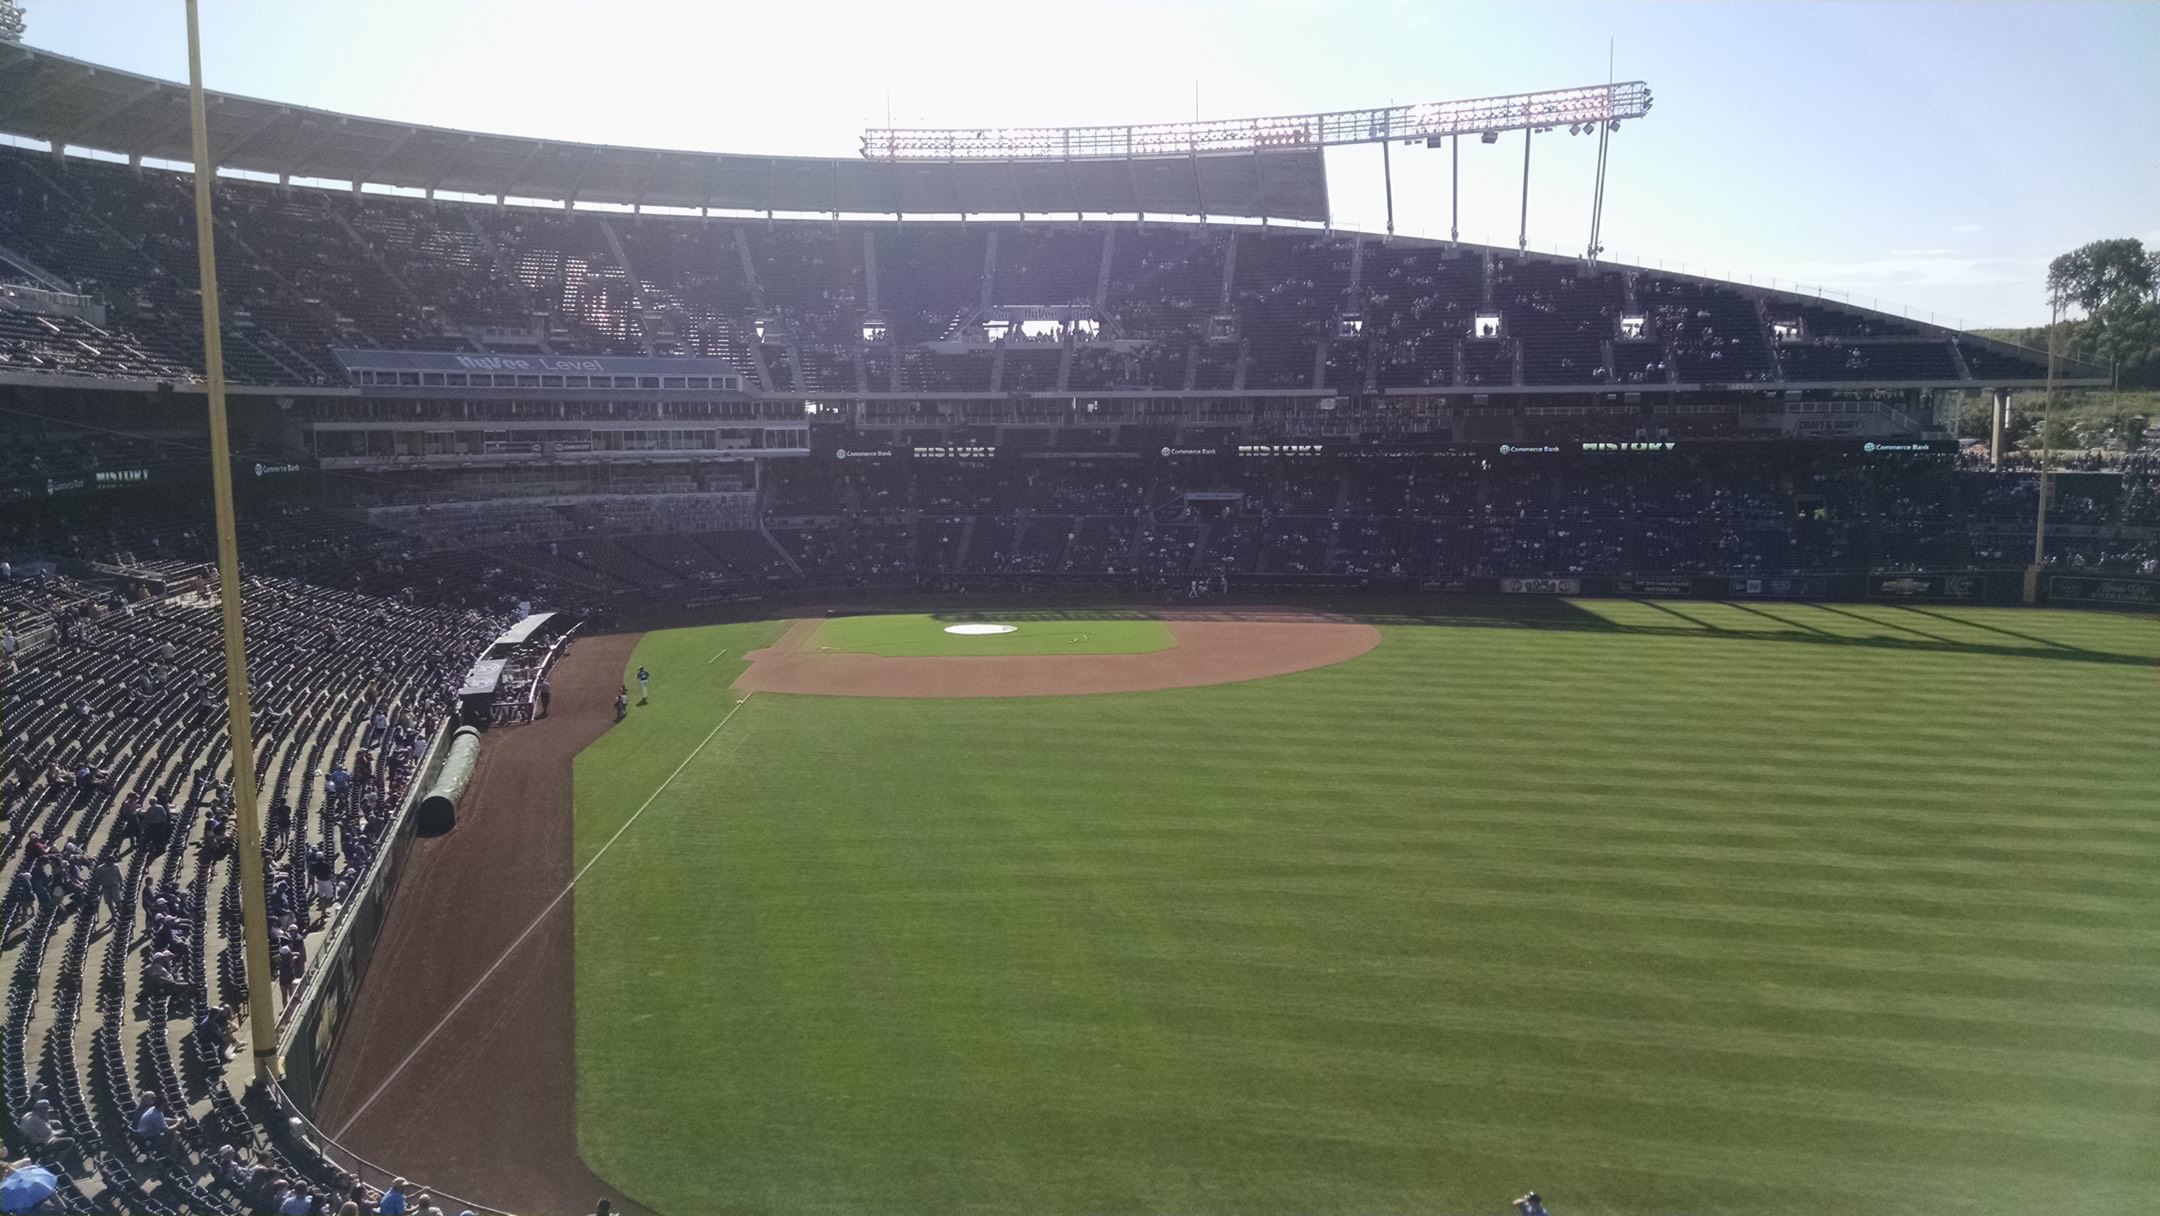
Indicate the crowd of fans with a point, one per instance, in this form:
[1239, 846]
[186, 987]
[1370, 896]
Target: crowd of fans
[1753, 511]
[885, 518]
[846, 306]
[119, 857]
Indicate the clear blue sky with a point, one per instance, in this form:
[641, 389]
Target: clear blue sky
[1929, 155]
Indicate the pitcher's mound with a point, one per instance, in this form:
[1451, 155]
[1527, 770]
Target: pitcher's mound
[1214, 646]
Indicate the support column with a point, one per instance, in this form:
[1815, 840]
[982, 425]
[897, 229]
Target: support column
[2001, 416]
[1387, 180]
[1597, 196]
[1454, 227]
[1522, 239]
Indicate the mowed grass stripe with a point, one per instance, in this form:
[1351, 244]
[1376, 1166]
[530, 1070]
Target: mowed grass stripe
[1651, 921]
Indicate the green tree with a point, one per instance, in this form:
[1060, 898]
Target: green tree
[2128, 335]
[2102, 273]
[2116, 284]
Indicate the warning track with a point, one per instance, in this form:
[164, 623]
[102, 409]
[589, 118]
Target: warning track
[481, 1104]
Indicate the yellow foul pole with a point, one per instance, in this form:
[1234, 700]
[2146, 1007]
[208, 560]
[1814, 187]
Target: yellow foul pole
[262, 1012]
[2034, 572]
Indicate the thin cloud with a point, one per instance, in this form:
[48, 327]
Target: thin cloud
[1899, 270]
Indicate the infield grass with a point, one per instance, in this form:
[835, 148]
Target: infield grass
[924, 636]
[1656, 908]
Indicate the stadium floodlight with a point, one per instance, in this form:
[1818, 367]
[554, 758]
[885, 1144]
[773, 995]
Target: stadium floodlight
[1485, 117]
[1586, 109]
[11, 21]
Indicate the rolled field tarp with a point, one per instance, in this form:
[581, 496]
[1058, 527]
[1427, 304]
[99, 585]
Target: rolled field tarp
[438, 807]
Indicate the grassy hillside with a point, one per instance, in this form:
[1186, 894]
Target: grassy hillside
[2083, 420]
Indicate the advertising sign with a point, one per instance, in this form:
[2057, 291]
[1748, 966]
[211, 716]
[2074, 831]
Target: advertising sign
[1925, 586]
[1668, 585]
[1782, 587]
[2094, 589]
[1541, 586]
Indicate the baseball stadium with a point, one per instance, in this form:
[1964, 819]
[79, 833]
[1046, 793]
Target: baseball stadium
[1027, 669]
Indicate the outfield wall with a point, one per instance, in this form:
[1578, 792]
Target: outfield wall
[309, 1027]
[1998, 587]
[1952, 586]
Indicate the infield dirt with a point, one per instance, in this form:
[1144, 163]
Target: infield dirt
[1214, 646]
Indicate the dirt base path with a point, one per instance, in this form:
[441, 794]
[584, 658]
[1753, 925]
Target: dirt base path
[1214, 646]
[486, 1110]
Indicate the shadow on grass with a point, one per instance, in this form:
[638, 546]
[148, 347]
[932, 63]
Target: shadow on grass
[2008, 633]
[1778, 626]
[1687, 619]
[1913, 631]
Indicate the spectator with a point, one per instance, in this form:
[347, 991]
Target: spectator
[154, 1129]
[323, 871]
[288, 967]
[232, 1168]
[159, 978]
[43, 1133]
[217, 1029]
[111, 885]
[156, 827]
[281, 817]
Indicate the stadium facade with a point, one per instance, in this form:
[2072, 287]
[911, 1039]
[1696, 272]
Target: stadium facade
[627, 381]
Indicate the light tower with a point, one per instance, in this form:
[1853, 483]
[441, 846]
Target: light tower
[1589, 110]
[11, 21]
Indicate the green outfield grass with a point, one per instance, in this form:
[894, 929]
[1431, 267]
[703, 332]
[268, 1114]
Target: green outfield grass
[920, 635]
[1656, 908]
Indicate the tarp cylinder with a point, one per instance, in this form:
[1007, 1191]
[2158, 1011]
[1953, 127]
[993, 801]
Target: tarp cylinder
[438, 807]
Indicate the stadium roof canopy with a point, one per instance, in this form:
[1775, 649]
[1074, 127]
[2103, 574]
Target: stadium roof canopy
[69, 103]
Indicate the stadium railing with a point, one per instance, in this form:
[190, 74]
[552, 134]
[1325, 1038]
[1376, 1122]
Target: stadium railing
[298, 1126]
[311, 1024]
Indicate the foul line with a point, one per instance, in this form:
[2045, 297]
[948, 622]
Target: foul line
[512, 948]
[711, 661]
